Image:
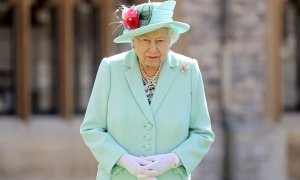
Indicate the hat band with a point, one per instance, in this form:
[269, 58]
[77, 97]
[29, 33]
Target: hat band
[156, 21]
[146, 22]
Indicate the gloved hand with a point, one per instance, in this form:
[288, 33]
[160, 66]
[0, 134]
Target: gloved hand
[161, 163]
[134, 165]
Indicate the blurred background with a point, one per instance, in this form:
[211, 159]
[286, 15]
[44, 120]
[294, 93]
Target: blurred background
[248, 52]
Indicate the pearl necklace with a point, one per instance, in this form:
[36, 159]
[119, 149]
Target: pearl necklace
[151, 80]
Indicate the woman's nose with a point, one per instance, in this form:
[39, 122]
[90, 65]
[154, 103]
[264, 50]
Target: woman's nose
[153, 47]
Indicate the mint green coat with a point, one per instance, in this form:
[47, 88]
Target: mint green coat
[119, 119]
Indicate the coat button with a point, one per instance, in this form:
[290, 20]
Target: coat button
[148, 126]
[147, 147]
[148, 137]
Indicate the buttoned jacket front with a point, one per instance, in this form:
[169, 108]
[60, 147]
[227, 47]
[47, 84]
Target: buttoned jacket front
[119, 119]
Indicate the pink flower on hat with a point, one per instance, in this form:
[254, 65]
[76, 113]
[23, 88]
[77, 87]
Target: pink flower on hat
[130, 18]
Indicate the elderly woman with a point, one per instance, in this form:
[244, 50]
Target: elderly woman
[147, 116]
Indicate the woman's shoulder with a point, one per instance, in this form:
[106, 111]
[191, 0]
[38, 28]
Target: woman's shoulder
[115, 58]
[180, 58]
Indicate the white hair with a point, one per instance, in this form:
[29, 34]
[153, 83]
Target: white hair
[174, 36]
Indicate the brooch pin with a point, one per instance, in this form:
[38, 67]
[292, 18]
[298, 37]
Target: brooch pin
[183, 68]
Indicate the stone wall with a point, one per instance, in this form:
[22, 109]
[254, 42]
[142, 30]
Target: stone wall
[203, 43]
[246, 43]
[257, 152]
[229, 40]
[245, 53]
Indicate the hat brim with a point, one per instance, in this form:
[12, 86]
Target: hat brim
[179, 27]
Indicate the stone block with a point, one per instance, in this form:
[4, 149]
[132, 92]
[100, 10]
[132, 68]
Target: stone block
[257, 152]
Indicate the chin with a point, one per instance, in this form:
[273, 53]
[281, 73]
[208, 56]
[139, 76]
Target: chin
[153, 64]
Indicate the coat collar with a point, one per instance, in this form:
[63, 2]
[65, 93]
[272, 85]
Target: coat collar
[134, 79]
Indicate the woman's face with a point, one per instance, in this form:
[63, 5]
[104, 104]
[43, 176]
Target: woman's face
[152, 48]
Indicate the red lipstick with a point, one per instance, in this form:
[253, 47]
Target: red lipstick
[152, 57]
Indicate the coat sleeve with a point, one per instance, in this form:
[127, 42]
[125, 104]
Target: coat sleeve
[201, 136]
[94, 127]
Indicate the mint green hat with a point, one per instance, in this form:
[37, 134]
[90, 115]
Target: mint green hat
[152, 16]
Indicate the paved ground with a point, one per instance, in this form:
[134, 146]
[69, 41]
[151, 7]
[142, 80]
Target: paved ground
[44, 148]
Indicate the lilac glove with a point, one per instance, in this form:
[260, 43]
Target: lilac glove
[161, 163]
[135, 165]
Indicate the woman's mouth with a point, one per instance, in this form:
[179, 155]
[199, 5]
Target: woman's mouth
[153, 57]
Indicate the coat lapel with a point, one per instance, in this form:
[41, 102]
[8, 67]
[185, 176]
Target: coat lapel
[134, 80]
[166, 79]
